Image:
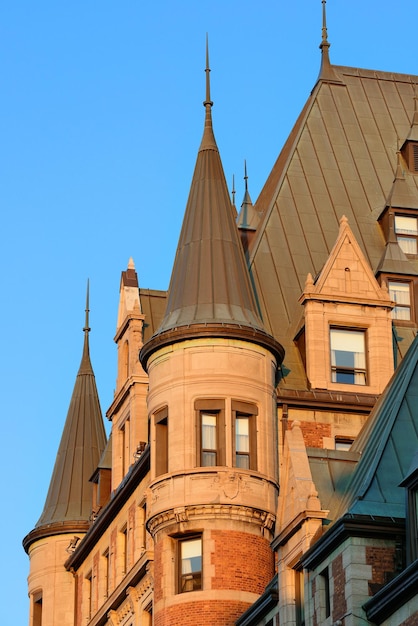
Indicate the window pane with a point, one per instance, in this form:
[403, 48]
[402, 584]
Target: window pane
[242, 435]
[208, 431]
[407, 232]
[408, 245]
[406, 225]
[191, 564]
[401, 294]
[348, 358]
[209, 439]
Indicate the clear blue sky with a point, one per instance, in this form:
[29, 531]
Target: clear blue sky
[100, 120]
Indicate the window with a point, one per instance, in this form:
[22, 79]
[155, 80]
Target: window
[411, 485]
[348, 356]
[161, 441]
[300, 598]
[209, 438]
[106, 573]
[244, 424]
[190, 564]
[400, 292]
[125, 444]
[242, 441]
[326, 596]
[124, 548]
[89, 594]
[406, 229]
[210, 415]
[343, 443]
[37, 609]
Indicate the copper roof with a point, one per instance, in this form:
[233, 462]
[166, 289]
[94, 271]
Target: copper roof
[210, 283]
[387, 443]
[69, 500]
[340, 159]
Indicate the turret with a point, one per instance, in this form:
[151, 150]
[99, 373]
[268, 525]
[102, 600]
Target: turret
[66, 515]
[212, 411]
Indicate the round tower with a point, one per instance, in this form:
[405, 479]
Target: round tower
[68, 506]
[212, 410]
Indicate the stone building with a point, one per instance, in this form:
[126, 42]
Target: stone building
[262, 467]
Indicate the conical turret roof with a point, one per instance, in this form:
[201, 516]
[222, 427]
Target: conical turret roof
[69, 500]
[210, 290]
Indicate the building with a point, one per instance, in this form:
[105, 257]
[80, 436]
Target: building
[262, 467]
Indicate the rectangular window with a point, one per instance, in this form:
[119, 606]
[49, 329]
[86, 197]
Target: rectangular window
[37, 609]
[400, 292]
[89, 594]
[161, 441]
[245, 431]
[190, 564]
[406, 229]
[242, 441]
[300, 598]
[210, 419]
[326, 596]
[106, 573]
[209, 438]
[348, 356]
[343, 443]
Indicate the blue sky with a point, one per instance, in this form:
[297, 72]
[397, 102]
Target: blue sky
[100, 120]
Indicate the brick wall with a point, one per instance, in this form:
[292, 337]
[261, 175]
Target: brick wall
[314, 433]
[242, 561]
[382, 560]
[203, 613]
[338, 601]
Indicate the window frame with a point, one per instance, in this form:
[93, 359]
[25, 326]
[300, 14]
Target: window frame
[161, 441]
[395, 280]
[413, 236]
[210, 406]
[249, 411]
[342, 369]
[195, 576]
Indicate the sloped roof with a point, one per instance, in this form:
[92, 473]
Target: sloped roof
[69, 500]
[387, 444]
[339, 159]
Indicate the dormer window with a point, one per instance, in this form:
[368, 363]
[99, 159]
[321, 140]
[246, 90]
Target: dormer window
[348, 356]
[406, 229]
[410, 154]
[400, 292]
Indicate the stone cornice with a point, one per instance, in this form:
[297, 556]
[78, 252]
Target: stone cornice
[56, 528]
[196, 513]
[123, 393]
[219, 330]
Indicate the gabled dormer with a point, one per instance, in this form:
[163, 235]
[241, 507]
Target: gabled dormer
[348, 329]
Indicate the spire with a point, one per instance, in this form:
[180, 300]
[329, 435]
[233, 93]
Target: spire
[85, 365]
[327, 72]
[69, 500]
[208, 140]
[247, 218]
[210, 291]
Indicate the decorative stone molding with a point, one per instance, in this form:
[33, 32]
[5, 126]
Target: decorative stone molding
[257, 517]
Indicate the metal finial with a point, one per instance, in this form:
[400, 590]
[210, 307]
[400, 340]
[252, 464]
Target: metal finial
[324, 22]
[86, 327]
[245, 175]
[233, 189]
[207, 101]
